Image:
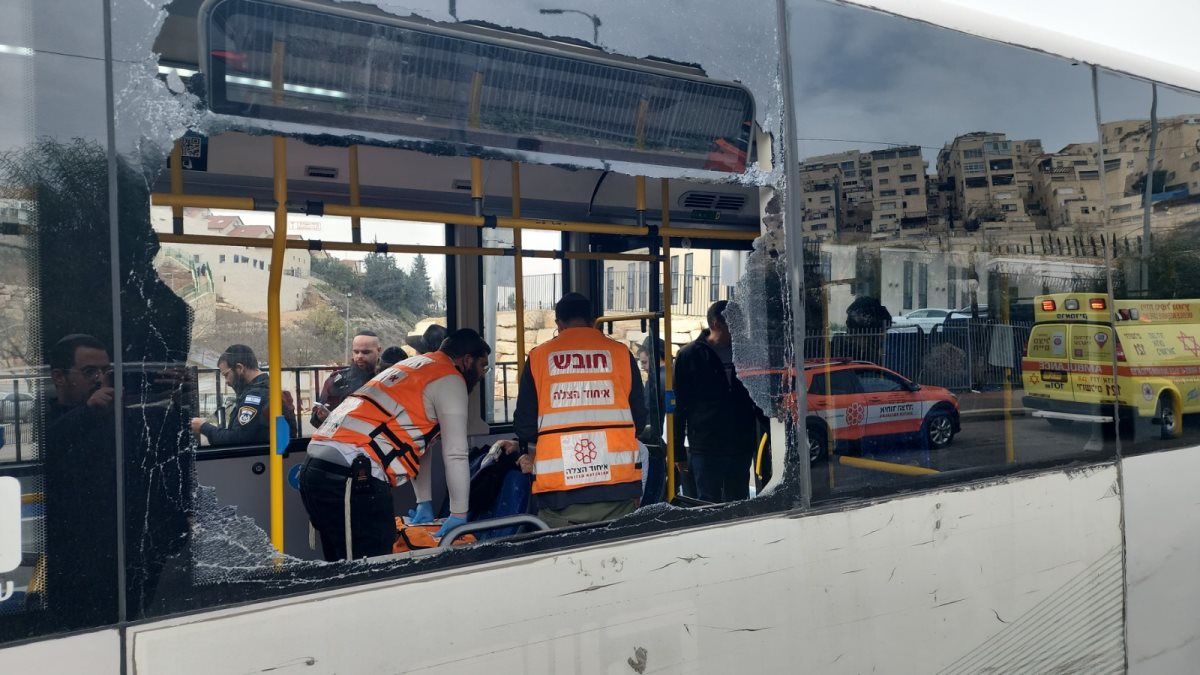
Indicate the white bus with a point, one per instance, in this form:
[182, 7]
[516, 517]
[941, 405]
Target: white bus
[181, 176]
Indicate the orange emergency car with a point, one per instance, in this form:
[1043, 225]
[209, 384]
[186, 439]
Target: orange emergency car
[855, 402]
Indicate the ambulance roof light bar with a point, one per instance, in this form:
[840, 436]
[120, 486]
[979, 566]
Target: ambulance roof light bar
[1097, 303]
[1049, 306]
[1070, 305]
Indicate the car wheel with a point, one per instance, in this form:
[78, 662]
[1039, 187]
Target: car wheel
[818, 443]
[1168, 421]
[939, 429]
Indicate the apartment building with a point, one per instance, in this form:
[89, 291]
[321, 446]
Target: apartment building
[989, 179]
[879, 192]
[900, 191]
[1069, 190]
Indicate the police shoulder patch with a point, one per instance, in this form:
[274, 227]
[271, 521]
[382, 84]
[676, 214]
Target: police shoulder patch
[246, 413]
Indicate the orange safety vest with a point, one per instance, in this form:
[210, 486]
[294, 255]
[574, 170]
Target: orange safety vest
[586, 436]
[387, 419]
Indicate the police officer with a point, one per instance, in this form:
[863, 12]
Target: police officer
[364, 363]
[248, 422]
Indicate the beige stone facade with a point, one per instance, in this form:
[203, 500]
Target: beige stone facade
[989, 179]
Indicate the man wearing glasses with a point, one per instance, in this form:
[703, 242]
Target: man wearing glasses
[82, 374]
[378, 438]
[248, 423]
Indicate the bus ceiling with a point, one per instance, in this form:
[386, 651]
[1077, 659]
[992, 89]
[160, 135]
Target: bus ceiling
[238, 166]
[460, 89]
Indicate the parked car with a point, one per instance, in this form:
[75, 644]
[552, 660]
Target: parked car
[920, 319]
[854, 402]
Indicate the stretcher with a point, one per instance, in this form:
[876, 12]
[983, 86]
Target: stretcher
[498, 506]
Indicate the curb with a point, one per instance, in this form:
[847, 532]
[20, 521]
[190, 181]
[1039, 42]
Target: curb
[993, 413]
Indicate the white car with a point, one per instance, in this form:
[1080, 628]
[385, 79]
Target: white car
[920, 319]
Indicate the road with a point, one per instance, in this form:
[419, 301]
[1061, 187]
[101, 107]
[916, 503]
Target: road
[984, 441]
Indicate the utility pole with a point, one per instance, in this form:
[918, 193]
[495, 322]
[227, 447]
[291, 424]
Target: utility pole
[348, 295]
[594, 19]
[1148, 195]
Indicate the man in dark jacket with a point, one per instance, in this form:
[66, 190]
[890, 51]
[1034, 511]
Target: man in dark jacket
[249, 422]
[714, 412]
[364, 364]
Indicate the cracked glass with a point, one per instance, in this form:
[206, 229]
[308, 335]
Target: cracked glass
[193, 519]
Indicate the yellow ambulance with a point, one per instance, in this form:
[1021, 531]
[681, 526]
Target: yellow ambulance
[1068, 364]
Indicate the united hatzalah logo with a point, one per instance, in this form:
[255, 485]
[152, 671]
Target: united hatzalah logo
[585, 451]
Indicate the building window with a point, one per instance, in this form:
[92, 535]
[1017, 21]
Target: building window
[826, 199]
[644, 284]
[973, 152]
[909, 178]
[687, 279]
[912, 191]
[221, 258]
[674, 280]
[714, 277]
[887, 193]
[882, 169]
[631, 286]
[1089, 175]
[887, 205]
[883, 181]
[951, 285]
[907, 167]
[908, 285]
[923, 285]
[1008, 207]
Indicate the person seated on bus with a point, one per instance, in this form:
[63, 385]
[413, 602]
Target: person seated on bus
[364, 364]
[390, 357]
[378, 438]
[581, 405]
[249, 421]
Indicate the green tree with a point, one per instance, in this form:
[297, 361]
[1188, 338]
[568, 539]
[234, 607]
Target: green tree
[1174, 266]
[420, 291]
[385, 283]
[337, 275]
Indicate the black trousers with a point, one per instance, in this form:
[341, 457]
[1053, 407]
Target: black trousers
[721, 477]
[372, 513]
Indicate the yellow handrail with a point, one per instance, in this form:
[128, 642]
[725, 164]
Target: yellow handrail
[669, 366]
[762, 448]
[274, 348]
[886, 467]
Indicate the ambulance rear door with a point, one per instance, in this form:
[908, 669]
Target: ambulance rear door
[1091, 353]
[1047, 366]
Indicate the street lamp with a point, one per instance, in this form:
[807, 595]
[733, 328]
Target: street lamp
[594, 19]
[348, 295]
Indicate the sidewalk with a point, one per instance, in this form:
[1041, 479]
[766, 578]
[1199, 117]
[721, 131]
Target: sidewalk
[990, 404]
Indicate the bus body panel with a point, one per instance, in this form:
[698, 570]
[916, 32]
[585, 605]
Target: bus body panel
[917, 584]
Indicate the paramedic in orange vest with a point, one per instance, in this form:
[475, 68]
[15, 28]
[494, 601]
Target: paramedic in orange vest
[580, 405]
[377, 439]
